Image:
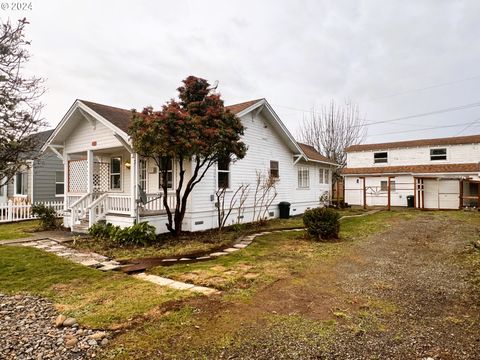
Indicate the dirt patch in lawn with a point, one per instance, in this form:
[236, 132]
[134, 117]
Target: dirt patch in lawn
[405, 293]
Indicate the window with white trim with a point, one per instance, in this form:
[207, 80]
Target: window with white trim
[380, 157]
[303, 178]
[59, 183]
[438, 154]
[324, 176]
[116, 173]
[384, 185]
[169, 171]
[223, 174]
[274, 169]
[21, 183]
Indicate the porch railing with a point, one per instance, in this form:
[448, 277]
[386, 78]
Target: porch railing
[94, 206]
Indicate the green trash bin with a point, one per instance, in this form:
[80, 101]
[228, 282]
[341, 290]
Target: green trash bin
[284, 209]
[410, 201]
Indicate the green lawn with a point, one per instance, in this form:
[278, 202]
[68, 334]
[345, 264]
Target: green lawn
[274, 256]
[18, 230]
[96, 299]
[187, 243]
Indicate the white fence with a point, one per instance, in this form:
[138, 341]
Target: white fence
[11, 212]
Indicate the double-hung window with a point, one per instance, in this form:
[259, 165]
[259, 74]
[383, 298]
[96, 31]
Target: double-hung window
[223, 173]
[21, 183]
[59, 183]
[438, 154]
[168, 164]
[303, 178]
[116, 173]
[274, 169]
[380, 157]
[384, 185]
[324, 176]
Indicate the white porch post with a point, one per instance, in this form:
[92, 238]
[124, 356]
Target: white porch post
[66, 179]
[89, 171]
[90, 181]
[133, 183]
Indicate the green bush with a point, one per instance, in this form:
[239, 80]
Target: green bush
[322, 223]
[139, 234]
[46, 214]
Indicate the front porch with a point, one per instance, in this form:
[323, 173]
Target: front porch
[104, 185]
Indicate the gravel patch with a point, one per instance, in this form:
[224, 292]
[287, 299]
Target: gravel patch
[31, 328]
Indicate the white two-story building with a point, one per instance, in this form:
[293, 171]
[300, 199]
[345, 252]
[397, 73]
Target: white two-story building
[439, 173]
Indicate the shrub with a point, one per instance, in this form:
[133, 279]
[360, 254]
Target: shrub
[46, 214]
[139, 234]
[322, 223]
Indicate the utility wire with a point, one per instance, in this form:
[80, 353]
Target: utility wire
[428, 128]
[434, 112]
[424, 88]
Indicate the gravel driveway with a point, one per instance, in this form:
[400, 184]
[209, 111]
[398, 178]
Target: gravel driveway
[407, 293]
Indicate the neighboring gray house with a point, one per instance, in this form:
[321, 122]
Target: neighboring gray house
[43, 180]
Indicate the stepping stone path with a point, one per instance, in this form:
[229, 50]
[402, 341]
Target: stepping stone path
[177, 285]
[92, 260]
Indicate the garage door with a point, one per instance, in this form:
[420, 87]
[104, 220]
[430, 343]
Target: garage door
[441, 194]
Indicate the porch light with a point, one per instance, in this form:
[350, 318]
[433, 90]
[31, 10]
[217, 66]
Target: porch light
[127, 165]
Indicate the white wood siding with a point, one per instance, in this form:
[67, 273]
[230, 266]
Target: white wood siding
[81, 138]
[264, 144]
[456, 154]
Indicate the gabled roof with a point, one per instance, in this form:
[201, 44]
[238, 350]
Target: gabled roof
[236, 108]
[414, 169]
[313, 154]
[121, 118]
[458, 140]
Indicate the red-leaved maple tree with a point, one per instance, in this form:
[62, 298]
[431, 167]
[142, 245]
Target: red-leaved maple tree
[195, 131]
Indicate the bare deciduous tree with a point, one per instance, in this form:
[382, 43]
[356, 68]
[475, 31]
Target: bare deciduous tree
[20, 104]
[265, 194]
[332, 129]
[239, 196]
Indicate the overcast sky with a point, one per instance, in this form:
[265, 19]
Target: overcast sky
[297, 54]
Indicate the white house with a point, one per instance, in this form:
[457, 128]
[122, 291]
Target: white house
[102, 172]
[439, 173]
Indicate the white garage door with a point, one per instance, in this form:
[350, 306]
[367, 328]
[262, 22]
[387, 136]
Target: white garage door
[441, 194]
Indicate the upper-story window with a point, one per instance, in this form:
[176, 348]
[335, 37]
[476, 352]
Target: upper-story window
[380, 157]
[438, 154]
[274, 170]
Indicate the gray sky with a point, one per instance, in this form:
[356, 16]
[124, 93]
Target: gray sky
[296, 54]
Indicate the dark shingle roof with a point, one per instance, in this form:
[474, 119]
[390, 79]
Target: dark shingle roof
[121, 118]
[312, 153]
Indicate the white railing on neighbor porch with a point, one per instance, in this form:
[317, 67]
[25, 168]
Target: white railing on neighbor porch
[11, 212]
